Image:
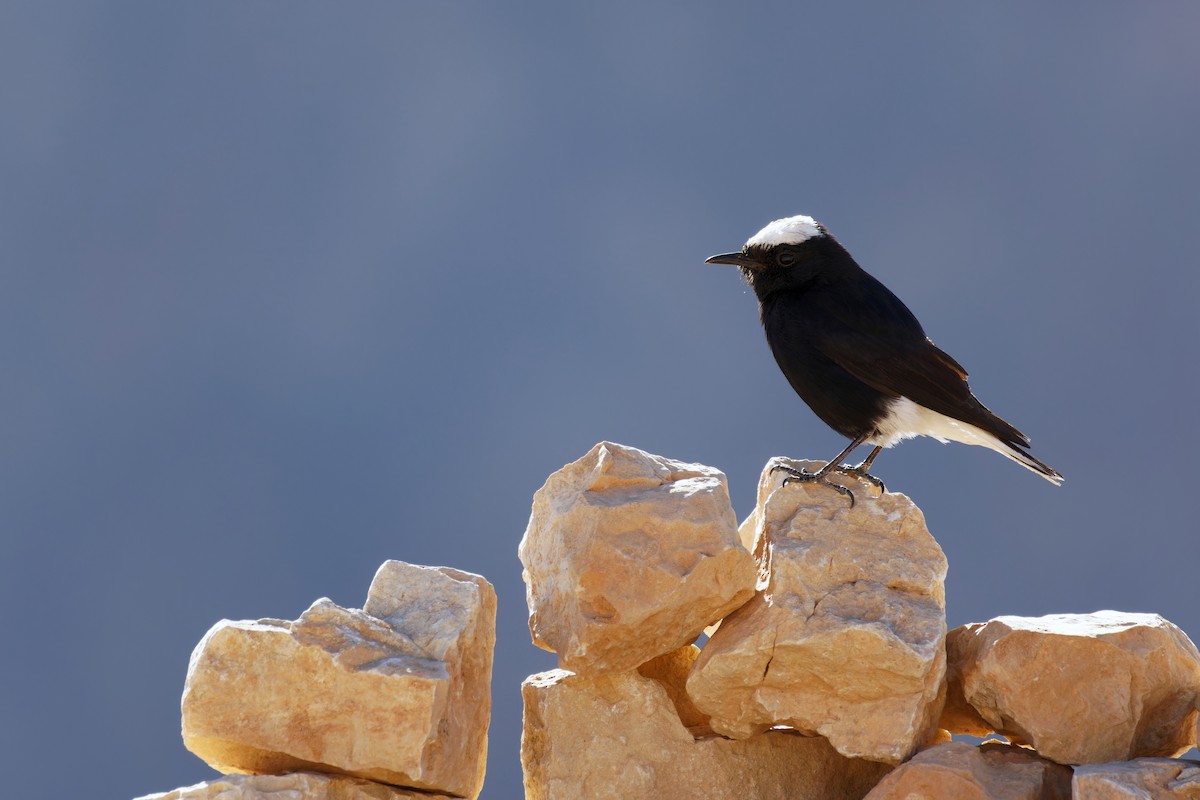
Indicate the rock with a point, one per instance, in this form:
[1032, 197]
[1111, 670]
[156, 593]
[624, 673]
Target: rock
[670, 671]
[451, 616]
[1156, 778]
[618, 737]
[1078, 688]
[959, 771]
[628, 556]
[293, 786]
[845, 636]
[403, 698]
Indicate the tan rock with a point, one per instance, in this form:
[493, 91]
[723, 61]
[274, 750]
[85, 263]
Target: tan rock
[1141, 779]
[342, 690]
[845, 636]
[450, 616]
[618, 737]
[628, 556]
[959, 771]
[293, 786]
[671, 671]
[1078, 688]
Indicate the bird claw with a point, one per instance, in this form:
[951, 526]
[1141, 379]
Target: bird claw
[860, 473]
[804, 476]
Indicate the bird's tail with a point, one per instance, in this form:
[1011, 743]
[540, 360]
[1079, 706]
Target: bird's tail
[1011, 443]
[995, 434]
[1025, 459]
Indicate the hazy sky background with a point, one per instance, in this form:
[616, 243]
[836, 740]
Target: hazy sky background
[287, 290]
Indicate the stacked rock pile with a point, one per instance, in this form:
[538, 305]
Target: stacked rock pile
[390, 702]
[831, 673]
[828, 671]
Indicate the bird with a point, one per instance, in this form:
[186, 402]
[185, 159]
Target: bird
[858, 357]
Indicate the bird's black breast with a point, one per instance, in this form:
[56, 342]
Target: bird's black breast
[797, 325]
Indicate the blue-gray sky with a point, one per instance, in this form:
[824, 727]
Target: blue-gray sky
[287, 290]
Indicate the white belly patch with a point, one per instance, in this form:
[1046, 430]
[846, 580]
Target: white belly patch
[906, 419]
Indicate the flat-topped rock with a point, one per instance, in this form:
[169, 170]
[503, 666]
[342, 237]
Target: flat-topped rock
[629, 556]
[1078, 688]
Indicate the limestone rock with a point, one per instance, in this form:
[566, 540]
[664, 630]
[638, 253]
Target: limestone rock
[670, 671]
[1141, 779]
[450, 616]
[628, 556]
[293, 786]
[619, 737]
[959, 771]
[845, 637]
[1078, 688]
[400, 698]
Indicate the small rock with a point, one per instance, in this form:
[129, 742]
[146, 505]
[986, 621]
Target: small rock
[628, 556]
[845, 636]
[1078, 688]
[959, 771]
[403, 698]
[620, 737]
[1141, 779]
[293, 786]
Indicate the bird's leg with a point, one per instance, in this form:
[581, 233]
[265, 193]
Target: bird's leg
[819, 476]
[861, 471]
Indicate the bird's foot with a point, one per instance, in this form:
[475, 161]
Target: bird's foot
[861, 473]
[804, 476]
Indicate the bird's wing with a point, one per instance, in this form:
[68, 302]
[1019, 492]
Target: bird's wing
[899, 363]
[916, 369]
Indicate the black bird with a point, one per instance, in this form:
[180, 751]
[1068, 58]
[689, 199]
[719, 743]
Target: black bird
[857, 356]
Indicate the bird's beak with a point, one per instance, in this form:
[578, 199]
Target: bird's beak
[737, 259]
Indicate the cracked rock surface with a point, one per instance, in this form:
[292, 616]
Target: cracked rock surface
[845, 635]
[634, 736]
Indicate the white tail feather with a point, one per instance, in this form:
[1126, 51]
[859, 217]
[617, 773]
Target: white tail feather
[906, 419]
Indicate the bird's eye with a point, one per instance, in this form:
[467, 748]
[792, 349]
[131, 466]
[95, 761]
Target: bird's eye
[785, 259]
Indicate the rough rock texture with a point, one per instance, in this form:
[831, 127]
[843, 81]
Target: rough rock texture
[845, 636]
[1142, 779]
[670, 671]
[1078, 688]
[401, 698]
[628, 556]
[451, 617]
[618, 737]
[293, 786]
[959, 771]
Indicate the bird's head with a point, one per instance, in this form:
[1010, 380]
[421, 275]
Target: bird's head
[785, 252]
